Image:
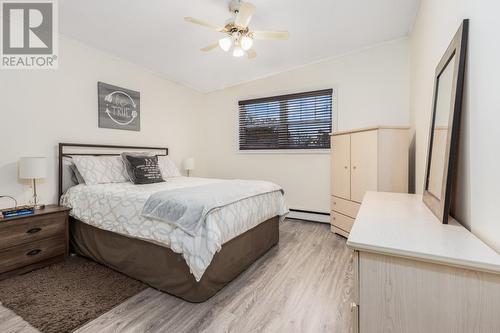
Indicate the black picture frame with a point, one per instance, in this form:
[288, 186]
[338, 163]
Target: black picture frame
[118, 108]
[440, 206]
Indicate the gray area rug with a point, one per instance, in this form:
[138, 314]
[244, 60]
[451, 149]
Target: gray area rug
[64, 296]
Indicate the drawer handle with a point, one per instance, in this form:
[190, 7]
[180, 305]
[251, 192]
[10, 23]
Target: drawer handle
[354, 306]
[33, 252]
[34, 230]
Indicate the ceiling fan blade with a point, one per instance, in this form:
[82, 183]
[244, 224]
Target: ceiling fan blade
[210, 47]
[251, 54]
[244, 14]
[270, 34]
[203, 23]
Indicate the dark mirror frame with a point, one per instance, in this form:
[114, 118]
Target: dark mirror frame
[457, 48]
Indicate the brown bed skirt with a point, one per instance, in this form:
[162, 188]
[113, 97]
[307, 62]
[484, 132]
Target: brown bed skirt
[166, 270]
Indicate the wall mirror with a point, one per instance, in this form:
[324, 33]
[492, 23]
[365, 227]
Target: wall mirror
[445, 125]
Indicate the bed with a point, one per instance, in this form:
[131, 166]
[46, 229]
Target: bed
[106, 225]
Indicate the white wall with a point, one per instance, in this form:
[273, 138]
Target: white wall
[478, 190]
[38, 109]
[372, 89]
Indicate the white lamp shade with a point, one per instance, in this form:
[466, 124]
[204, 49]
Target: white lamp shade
[188, 164]
[32, 167]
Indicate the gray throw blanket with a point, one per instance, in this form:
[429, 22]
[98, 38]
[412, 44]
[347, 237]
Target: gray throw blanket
[187, 208]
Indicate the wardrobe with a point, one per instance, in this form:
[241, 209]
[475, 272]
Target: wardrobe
[366, 159]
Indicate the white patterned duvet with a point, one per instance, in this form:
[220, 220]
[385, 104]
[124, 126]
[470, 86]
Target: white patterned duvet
[117, 207]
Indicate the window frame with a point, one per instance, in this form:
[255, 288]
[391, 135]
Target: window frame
[323, 151]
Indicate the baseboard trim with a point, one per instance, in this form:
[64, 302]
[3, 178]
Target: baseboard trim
[308, 211]
[309, 215]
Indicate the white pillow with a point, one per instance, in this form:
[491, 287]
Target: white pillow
[101, 169]
[167, 167]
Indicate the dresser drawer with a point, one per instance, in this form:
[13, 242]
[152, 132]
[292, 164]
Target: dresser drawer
[342, 221]
[17, 232]
[346, 207]
[27, 254]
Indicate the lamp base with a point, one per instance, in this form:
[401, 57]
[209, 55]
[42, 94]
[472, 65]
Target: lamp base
[39, 206]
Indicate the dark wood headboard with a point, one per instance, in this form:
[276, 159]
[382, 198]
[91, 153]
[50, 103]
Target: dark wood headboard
[97, 150]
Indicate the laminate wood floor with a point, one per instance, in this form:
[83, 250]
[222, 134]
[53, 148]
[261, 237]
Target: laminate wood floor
[301, 285]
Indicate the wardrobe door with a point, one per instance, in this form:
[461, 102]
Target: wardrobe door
[363, 164]
[341, 164]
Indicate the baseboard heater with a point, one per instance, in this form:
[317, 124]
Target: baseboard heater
[309, 215]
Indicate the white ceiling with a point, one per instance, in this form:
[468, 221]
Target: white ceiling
[153, 34]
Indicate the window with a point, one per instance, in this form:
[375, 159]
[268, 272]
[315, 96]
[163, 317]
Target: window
[295, 121]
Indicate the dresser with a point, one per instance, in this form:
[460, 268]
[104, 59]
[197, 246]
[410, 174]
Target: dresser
[413, 274]
[367, 159]
[33, 241]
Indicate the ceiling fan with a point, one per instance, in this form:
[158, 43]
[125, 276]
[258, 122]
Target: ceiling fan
[238, 37]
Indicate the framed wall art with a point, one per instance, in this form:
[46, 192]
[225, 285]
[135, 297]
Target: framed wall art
[118, 108]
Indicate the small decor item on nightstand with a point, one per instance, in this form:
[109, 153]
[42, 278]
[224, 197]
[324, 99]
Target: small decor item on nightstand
[33, 168]
[17, 211]
[188, 165]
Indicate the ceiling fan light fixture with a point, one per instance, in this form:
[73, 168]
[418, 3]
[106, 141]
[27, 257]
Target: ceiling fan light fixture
[226, 43]
[238, 38]
[246, 43]
[238, 52]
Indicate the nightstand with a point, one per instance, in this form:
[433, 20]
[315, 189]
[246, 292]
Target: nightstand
[33, 241]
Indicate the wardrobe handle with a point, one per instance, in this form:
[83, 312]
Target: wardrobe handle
[34, 230]
[345, 167]
[354, 167]
[354, 307]
[355, 317]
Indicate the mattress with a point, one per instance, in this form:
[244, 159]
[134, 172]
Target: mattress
[117, 208]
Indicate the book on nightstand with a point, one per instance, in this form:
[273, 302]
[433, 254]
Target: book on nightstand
[17, 211]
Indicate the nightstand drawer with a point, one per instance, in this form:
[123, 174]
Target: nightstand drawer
[17, 232]
[26, 254]
[346, 207]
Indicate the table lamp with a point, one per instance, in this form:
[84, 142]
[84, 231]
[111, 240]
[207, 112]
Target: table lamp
[188, 165]
[33, 168]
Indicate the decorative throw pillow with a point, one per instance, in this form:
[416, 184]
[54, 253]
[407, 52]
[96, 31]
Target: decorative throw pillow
[142, 169]
[101, 169]
[168, 167]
